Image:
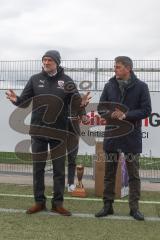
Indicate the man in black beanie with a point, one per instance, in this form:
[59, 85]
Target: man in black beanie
[51, 98]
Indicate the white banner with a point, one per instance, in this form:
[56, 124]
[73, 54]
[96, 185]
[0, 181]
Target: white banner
[150, 128]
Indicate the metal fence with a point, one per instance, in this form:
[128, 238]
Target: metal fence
[10, 164]
[94, 74]
[15, 74]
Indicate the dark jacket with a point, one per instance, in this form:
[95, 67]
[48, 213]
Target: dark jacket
[52, 93]
[136, 98]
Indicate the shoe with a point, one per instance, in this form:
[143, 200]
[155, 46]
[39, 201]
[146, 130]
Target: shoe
[61, 210]
[136, 214]
[106, 210]
[37, 207]
[71, 187]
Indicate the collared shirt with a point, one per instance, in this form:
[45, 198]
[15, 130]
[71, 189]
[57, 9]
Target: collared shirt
[52, 74]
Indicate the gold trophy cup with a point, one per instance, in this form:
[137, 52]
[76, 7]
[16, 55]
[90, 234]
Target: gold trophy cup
[79, 190]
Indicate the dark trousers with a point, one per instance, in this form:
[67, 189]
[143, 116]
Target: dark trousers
[39, 156]
[132, 164]
[72, 146]
[72, 151]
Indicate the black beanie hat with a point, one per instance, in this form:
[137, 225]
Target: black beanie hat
[55, 55]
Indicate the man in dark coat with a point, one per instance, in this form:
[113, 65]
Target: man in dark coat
[124, 88]
[51, 96]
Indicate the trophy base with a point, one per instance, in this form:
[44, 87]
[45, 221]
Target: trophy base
[79, 192]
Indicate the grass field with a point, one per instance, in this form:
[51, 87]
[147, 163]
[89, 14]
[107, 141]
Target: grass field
[19, 226]
[86, 160]
[24, 158]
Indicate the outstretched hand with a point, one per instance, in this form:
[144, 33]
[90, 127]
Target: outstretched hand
[85, 99]
[10, 94]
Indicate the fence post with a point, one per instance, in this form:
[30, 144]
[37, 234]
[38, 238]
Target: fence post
[96, 73]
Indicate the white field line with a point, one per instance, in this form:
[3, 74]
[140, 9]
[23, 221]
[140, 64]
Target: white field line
[79, 215]
[76, 198]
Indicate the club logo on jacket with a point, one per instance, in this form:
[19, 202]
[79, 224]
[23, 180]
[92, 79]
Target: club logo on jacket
[61, 84]
[41, 83]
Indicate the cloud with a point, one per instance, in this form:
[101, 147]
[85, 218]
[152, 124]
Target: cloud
[79, 29]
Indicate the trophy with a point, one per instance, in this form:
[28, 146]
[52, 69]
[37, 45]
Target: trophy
[79, 190]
